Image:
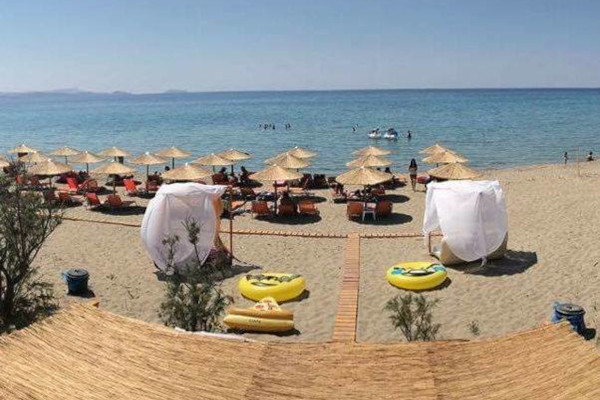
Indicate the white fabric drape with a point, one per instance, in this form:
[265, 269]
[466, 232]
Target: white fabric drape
[166, 215]
[471, 215]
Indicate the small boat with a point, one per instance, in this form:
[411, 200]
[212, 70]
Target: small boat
[391, 134]
[374, 134]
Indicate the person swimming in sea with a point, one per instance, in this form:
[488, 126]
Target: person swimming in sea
[409, 135]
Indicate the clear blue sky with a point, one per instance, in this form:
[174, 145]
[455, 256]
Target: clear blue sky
[151, 45]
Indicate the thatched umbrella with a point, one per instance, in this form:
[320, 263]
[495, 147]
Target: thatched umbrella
[22, 149]
[286, 160]
[453, 171]
[173, 153]
[65, 152]
[34, 158]
[49, 168]
[445, 157]
[369, 161]
[235, 155]
[363, 176]
[371, 151]
[3, 162]
[148, 159]
[114, 152]
[299, 152]
[186, 172]
[436, 148]
[213, 160]
[113, 168]
[87, 158]
[275, 173]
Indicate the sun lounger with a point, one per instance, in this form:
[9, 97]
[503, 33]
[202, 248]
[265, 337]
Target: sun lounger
[131, 187]
[248, 193]
[383, 208]
[114, 201]
[443, 253]
[307, 207]
[92, 201]
[152, 186]
[260, 209]
[354, 209]
[286, 210]
[66, 199]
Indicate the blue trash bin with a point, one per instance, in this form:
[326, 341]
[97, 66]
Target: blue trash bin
[572, 313]
[77, 281]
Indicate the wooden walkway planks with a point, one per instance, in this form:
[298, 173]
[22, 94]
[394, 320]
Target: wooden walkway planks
[344, 329]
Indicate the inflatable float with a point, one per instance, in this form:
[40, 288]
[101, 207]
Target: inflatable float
[264, 316]
[417, 275]
[281, 287]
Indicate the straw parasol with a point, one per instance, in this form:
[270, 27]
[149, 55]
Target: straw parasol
[213, 160]
[275, 173]
[173, 153]
[299, 152]
[234, 155]
[3, 162]
[436, 148]
[114, 168]
[22, 149]
[371, 151]
[186, 172]
[87, 158]
[114, 152]
[65, 152]
[445, 157]
[34, 157]
[454, 171]
[148, 159]
[50, 168]
[363, 176]
[286, 160]
[369, 161]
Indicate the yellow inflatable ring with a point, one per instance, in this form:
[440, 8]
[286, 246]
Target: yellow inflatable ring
[281, 287]
[416, 275]
[264, 316]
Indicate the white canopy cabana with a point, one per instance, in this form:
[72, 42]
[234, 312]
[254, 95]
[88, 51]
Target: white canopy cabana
[166, 215]
[471, 215]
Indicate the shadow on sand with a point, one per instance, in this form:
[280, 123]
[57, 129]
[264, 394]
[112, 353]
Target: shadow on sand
[394, 219]
[514, 262]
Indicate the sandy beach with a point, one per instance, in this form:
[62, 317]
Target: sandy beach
[552, 256]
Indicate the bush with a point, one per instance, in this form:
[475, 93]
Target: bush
[194, 300]
[26, 221]
[412, 315]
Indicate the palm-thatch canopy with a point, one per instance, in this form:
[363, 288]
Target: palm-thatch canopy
[369, 161]
[286, 160]
[300, 152]
[445, 157]
[113, 168]
[21, 149]
[34, 157]
[87, 353]
[115, 152]
[148, 158]
[371, 151]
[453, 171]
[85, 157]
[275, 173]
[363, 176]
[214, 160]
[49, 168]
[186, 172]
[3, 162]
[235, 155]
[173, 152]
[436, 148]
[65, 152]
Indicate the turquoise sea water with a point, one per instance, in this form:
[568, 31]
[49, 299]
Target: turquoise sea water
[493, 128]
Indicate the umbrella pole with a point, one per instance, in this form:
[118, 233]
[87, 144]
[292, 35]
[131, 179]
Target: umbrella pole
[230, 225]
[66, 161]
[87, 168]
[172, 162]
[275, 206]
[147, 171]
[114, 184]
[232, 169]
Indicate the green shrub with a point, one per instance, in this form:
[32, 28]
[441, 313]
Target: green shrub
[412, 314]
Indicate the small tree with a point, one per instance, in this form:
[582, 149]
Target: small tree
[194, 300]
[26, 221]
[412, 314]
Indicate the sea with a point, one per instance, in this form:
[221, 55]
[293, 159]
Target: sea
[494, 128]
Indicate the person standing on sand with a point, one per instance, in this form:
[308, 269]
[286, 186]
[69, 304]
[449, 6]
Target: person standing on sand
[566, 157]
[412, 172]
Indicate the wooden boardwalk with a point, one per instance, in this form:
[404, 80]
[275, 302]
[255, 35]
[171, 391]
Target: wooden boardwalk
[344, 329]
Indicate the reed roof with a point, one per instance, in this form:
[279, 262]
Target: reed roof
[86, 353]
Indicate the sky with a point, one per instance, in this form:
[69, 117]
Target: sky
[146, 46]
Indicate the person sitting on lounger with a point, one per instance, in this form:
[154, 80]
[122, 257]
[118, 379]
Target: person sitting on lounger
[590, 156]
